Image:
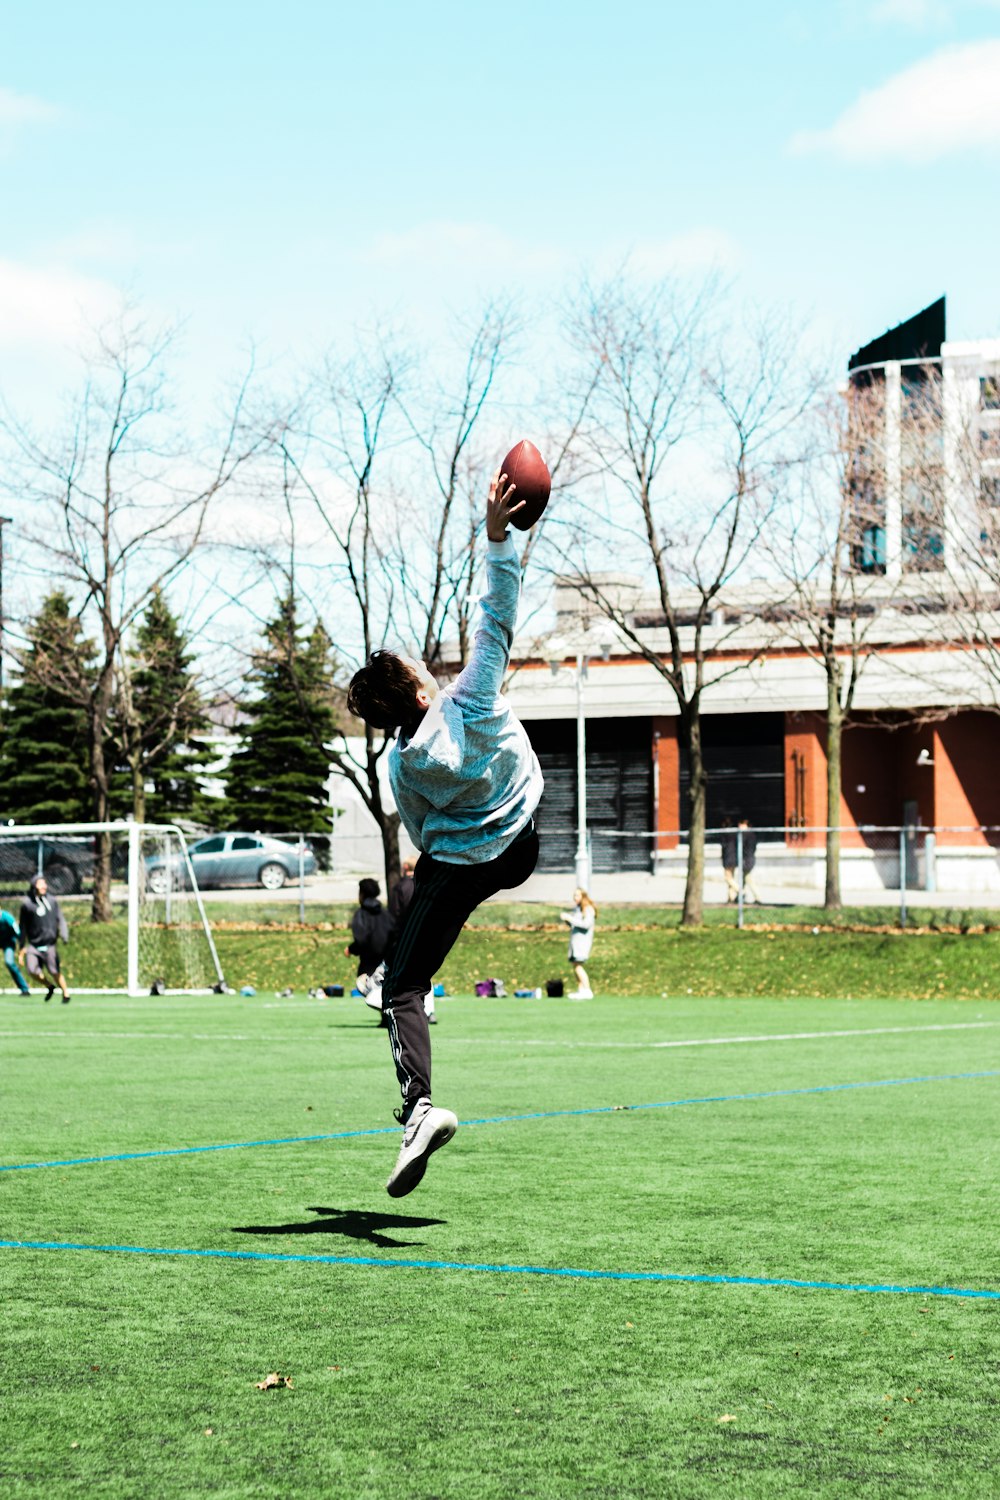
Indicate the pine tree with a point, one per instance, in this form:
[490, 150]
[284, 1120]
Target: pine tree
[43, 748]
[160, 714]
[277, 781]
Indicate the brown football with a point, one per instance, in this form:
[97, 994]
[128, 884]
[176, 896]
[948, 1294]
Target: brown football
[525, 467]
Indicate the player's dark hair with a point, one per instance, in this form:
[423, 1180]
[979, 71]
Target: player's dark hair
[383, 692]
[368, 889]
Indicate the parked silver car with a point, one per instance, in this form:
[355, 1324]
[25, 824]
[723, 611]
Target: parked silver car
[233, 859]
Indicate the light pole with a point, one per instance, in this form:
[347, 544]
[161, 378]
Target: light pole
[4, 521]
[558, 649]
[581, 863]
[582, 852]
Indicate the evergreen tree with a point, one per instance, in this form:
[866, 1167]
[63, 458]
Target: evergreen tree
[277, 781]
[43, 747]
[160, 714]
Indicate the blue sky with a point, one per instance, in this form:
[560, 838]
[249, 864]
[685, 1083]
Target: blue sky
[283, 172]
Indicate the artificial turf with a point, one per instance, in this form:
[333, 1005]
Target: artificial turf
[131, 1375]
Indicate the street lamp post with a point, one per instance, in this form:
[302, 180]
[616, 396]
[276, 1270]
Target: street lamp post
[4, 521]
[582, 852]
[558, 649]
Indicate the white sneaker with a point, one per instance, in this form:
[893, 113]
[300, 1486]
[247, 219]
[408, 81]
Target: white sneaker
[425, 1130]
[370, 986]
[580, 995]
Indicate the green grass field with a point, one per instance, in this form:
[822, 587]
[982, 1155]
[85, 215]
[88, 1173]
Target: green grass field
[470, 1373]
[851, 954]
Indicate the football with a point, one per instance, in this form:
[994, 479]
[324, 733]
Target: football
[525, 467]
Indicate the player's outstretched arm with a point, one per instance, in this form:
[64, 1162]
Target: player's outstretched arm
[482, 678]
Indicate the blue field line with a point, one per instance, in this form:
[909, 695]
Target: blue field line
[542, 1114]
[571, 1272]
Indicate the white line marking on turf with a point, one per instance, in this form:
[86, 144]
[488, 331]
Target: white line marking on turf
[702, 1041]
[729, 1041]
[162, 1036]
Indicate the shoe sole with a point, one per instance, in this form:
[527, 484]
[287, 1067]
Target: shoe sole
[412, 1173]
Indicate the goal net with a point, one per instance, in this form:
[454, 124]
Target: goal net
[159, 939]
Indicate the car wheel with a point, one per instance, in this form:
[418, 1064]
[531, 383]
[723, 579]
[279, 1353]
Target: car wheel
[63, 880]
[272, 877]
[157, 881]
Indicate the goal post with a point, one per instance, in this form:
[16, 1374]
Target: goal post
[167, 921]
[160, 939]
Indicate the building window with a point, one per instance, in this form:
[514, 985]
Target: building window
[871, 553]
[923, 524]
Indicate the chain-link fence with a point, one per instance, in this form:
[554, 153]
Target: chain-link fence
[904, 866]
[308, 878]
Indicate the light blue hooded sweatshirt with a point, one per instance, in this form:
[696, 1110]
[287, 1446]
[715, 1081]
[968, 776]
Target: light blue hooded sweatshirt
[467, 781]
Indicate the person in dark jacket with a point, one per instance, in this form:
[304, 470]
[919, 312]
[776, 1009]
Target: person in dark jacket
[729, 859]
[43, 927]
[749, 842]
[10, 936]
[401, 895]
[371, 927]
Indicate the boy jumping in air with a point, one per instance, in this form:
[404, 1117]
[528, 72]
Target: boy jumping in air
[466, 783]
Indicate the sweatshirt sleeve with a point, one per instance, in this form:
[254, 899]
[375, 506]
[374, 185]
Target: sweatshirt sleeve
[63, 928]
[482, 678]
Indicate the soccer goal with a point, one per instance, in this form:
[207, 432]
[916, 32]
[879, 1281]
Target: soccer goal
[159, 940]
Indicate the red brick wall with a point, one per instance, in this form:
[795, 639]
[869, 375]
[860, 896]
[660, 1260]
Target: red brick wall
[805, 774]
[667, 779]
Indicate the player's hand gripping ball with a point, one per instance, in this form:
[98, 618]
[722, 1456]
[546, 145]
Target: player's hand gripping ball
[525, 468]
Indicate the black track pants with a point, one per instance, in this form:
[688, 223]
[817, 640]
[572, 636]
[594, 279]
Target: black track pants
[444, 897]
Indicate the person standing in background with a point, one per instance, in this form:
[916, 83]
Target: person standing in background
[10, 935]
[43, 927]
[749, 860]
[401, 895]
[730, 858]
[581, 939]
[371, 928]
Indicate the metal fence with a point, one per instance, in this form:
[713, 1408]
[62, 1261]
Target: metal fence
[287, 877]
[902, 866]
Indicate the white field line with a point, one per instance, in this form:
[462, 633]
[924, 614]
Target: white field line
[730, 1041]
[161, 1036]
[703, 1041]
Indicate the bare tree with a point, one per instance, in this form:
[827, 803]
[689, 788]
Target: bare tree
[445, 419]
[342, 439]
[400, 483]
[686, 433]
[828, 554]
[122, 505]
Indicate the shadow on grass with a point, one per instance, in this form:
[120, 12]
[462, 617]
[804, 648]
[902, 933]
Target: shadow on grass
[350, 1223]
[354, 1026]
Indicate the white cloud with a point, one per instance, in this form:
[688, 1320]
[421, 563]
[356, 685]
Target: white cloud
[23, 109]
[948, 102]
[50, 305]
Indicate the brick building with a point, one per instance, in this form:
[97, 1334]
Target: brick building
[922, 747]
